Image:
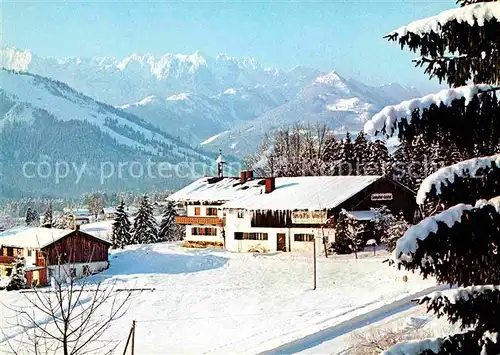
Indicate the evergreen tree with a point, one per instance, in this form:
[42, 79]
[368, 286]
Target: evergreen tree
[421, 160]
[361, 153]
[458, 246]
[400, 165]
[167, 225]
[31, 217]
[121, 228]
[383, 220]
[145, 226]
[47, 217]
[397, 226]
[348, 235]
[346, 156]
[378, 158]
[17, 280]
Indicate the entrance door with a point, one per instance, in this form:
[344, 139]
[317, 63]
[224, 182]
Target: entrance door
[281, 242]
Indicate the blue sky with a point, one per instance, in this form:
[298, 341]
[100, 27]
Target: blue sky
[341, 35]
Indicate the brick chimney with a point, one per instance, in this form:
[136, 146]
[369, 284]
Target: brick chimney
[270, 183]
[243, 177]
[249, 175]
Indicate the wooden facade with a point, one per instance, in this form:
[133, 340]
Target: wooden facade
[37, 277]
[76, 247]
[199, 220]
[384, 191]
[403, 199]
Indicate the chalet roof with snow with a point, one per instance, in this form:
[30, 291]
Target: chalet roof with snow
[313, 193]
[217, 190]
[291, 193]
[34, 237]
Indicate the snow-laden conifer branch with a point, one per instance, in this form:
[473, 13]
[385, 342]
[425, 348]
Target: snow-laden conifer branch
[452, 296]
[448, 174]
[389, 116]
[407, 245]
[475, 14]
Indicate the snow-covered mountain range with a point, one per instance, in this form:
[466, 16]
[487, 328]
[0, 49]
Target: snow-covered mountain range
[222, 101]
[42, 120]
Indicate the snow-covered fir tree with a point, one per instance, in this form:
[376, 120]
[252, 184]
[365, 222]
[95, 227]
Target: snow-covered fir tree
[400, 165]
[378, 158]
[31, 217]
[145, 227]
[47, 217]
[458, 246]
[17, 279]
[346, 163]
[381, 223]
[348, 235]
[167, 225]
[361, 153]
[397, 226]
[121, 235]
[63, 220]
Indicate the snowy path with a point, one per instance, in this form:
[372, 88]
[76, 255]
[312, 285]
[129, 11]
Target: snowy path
[328, 334]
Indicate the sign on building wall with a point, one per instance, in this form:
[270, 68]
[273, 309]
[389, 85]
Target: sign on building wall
[308, 217]
[387, 196]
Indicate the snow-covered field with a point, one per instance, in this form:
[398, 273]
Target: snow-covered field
[213, 301]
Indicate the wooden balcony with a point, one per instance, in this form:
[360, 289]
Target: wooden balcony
[200, 220]
[7, 259]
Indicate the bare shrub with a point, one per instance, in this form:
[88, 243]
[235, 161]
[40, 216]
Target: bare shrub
[375, 341]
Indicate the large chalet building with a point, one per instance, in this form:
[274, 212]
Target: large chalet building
[281, 214]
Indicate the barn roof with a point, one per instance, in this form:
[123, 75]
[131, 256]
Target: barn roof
[34, 237]
[291, 193]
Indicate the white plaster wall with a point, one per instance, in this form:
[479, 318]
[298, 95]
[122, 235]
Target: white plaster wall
[203, 238]
[61, 272]
[308, 246]
[203, 213]
[29, 260]
[235, 224]
[203, 210]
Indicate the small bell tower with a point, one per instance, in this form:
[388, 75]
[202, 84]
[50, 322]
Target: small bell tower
[220, 165]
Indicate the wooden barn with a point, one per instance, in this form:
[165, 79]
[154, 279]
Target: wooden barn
[50, 252]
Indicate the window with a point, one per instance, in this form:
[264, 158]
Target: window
[29, 252]
[211, 211]
[240, 213]
[10, 251]
[197, 211]
[86, 270]
[303, 237]
[204, 231]
[250, 236]
[8, 271]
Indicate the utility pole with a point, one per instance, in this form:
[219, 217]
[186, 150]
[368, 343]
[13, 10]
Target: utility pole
[133, 337]
[314, 263]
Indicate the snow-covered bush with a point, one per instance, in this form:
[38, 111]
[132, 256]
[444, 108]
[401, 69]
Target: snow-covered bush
[17, 280]
[348, 235]
[377, 340]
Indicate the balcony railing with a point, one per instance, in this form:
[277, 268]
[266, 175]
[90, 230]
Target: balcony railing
[7, 259]
[200, 220]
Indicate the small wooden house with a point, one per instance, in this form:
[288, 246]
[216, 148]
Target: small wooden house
[50, 252]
